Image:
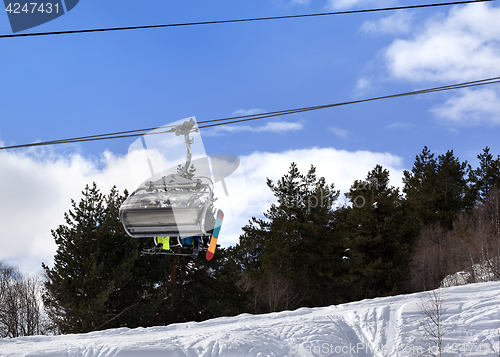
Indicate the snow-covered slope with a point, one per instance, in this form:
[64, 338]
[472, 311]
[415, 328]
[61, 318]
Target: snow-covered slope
[378, 327]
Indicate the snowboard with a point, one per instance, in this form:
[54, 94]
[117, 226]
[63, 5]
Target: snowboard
[215, 235]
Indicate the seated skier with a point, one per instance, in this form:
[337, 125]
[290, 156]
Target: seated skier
[163, 243]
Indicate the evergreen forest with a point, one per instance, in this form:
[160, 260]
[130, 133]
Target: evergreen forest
[308, 250]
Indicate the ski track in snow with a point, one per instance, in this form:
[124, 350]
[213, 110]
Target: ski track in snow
[382, 327]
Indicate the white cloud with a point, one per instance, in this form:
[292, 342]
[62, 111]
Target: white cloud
[363, 86]
[243, 112]
[399, 22]
[343, 4]
[341, 133]
[289, 3]
[301, 2]
[337, 166]
[37, 188]
[463, 46]
[471, 107]
[363, 83]
[400, 125]
[272, 127]
[351, 4]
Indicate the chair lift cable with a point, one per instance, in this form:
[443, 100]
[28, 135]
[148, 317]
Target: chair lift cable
[244, 118]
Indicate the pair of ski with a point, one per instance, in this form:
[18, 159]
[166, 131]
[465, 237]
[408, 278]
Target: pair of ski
[178, 252]
[211, 248]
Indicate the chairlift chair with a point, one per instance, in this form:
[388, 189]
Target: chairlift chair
[174, 205]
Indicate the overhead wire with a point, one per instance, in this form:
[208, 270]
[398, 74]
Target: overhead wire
[241, 119]
[109, 29]
[101, 136]
[246, 118]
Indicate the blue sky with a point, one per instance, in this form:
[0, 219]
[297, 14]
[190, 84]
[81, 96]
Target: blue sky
[63, 86]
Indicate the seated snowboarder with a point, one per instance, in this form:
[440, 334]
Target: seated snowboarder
[187, 242]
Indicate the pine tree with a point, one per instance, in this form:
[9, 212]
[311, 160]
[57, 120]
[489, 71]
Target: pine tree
[94, 257]
[420, 187]
[99, 280]
[377, 237]
[291, 258]
[485, 189]
[436, 190]
[266, 246]
[451, 197]
[486, 177]
[138, 293]
[319, 267]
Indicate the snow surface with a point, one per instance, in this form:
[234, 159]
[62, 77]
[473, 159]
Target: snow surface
[378, 327]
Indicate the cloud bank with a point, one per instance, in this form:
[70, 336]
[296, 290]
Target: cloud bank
[38, 186]
[273, 127]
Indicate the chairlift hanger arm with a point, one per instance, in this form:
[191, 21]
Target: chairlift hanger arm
[185, 129]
